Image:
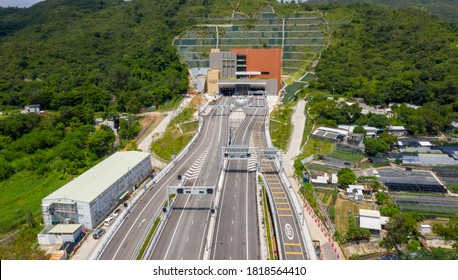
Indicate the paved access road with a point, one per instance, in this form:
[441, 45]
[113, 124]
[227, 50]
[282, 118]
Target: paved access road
[125, 243]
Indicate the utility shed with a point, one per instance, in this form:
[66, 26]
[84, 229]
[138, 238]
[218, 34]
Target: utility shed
[371, 220]
[425, 229]
[60, 233]
[89, 198]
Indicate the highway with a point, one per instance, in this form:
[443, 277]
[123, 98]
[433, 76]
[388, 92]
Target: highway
[124, 245]
[237, 233]
[184, 235]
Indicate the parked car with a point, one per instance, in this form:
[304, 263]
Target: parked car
[98, 233]
[117, 212]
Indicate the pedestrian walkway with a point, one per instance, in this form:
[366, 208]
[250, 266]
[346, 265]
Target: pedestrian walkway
[146, 143]
[315, 226]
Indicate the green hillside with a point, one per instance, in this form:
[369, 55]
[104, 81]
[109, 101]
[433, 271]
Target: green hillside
[443, 9]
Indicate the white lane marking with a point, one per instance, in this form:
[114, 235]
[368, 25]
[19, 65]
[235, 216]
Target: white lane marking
[141, 222]
[232, 221]
[176, 228]
[289, 232]
[152, 198]
[192, 222]
[246, 219]
[231, 238]
[187, 239]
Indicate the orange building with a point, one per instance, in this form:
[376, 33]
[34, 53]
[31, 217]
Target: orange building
[266, 61]
[245, 72]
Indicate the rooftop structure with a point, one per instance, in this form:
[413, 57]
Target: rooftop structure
[355, 192]
[331, 134]
[323, 178]
[59, 234]
[89, 198]
[371, 219]
[92, 183]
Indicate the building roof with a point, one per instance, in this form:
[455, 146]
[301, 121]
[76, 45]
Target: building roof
[370, 223]
[199, 71]
[369, 213]
[369, 219]
[438, 159]
[350, 128]
[333, 130]
[425, 143]
[95, 181]
[65, 228]
[396, 127]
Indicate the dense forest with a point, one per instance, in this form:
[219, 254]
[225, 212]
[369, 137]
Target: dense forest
[443, 9]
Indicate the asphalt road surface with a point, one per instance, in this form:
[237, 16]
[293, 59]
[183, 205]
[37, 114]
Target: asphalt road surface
[127, 239]
[236, 235]
[184, 235]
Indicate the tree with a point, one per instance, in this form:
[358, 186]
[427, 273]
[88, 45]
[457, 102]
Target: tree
[449, 232]
[389, 210]
[354, 232]
[346, 177]
[101, 142]
[375, 147]
[359, 129]
[382, 198]
[401, 230]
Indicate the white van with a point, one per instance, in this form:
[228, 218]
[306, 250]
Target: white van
[109, 221]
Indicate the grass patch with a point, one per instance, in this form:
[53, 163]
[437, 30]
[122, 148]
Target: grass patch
[343, 209]
[346, 155]
[453, 188]
[291, 92]
[148, 238]
[23, 192]
[381, 164]
[318, 147]
[318, 167]
[280, 126]
[267, 223]
[177, 135]
[23, 246]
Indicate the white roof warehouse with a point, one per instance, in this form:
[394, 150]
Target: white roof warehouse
[89, 198]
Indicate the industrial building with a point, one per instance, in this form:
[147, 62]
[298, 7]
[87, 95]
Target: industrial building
[89, 198]
[245, 72]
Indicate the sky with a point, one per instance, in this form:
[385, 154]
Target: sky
[18, 3]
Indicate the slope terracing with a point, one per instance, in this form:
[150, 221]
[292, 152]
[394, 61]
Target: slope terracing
[301, 37]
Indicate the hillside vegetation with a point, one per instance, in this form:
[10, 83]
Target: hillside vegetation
[443, 9]
[385, 55]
